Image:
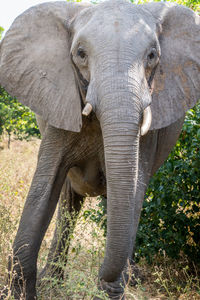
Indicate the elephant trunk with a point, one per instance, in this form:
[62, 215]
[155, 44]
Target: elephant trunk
[120, 128]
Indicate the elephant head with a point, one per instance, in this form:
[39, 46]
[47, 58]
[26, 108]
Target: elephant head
[115, 59]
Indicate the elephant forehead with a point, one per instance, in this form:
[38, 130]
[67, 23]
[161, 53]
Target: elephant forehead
[115, 21]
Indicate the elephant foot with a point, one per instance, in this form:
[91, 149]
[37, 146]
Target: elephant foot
[115, 290]
[18, 294]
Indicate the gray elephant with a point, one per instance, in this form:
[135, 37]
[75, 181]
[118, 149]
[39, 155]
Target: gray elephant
[111, 83]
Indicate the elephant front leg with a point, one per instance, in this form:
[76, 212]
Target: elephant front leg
[69, 207]
[38, 211]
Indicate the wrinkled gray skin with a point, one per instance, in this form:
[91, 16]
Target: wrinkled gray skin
[102, 55]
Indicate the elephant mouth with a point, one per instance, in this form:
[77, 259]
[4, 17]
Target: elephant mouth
[146, 122]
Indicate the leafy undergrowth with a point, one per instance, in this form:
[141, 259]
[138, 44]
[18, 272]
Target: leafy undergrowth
[165, 279]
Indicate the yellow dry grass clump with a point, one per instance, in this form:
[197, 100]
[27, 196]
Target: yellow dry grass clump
[17, 166]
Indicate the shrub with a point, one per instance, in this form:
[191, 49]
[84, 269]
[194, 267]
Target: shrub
[16, 118]
[170, 216]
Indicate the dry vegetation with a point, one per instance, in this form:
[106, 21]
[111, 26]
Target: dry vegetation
[164, 280]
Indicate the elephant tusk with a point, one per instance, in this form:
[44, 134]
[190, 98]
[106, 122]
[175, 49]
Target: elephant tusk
[147, 118]
[87, 109]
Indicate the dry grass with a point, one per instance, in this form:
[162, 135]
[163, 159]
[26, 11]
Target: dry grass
[164, 280]
[16, 170]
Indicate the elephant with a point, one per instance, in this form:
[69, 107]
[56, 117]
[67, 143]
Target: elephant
[111, 83]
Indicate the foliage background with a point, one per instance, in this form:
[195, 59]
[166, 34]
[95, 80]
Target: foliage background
[15, 118]
[170, 217]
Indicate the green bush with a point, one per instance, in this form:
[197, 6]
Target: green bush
[98, 214]
[15, 118]
[193, 4]
[1, 32]
[171, 212]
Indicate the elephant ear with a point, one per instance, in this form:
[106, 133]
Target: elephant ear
[35, 64]
[177, 78]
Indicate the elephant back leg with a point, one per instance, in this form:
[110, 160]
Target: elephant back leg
[70, 204]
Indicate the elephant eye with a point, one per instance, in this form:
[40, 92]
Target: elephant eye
[152, 58]
[81, 53]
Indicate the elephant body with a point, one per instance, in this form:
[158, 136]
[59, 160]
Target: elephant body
[89, 177]
[111, 84]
